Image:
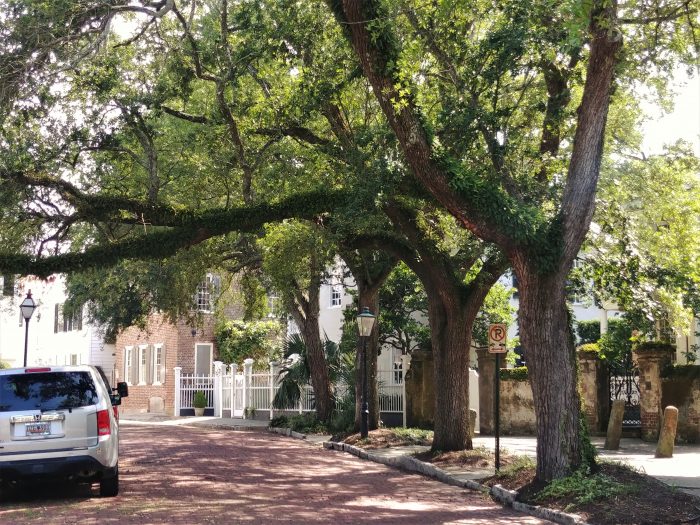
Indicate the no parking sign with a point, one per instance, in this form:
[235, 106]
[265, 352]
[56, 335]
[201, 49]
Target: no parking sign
[497, 338]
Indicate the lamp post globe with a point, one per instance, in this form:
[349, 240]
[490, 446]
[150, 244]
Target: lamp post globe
[27, 308]
[365, 323]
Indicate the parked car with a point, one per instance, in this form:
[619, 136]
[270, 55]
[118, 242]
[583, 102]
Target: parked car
[60, 423]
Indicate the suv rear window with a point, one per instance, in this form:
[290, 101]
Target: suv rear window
[46, 391]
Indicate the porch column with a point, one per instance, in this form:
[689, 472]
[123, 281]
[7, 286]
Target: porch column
[273, 371]
[177, 402]
[405, 364]
[218, 388]
[233, 369]
[247, 381]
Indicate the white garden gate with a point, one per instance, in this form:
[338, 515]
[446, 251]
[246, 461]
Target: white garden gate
[234, 393]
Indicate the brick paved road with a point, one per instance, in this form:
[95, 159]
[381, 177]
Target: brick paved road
[181, 475]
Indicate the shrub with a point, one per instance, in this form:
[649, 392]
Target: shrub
[239, 340]
[650, 346]
[514, 374]
[279, 422]
[615, 344]
[589, 347]
[4, 364]
[200, 399]
[419, 436]
[306, 424]
[588, 331]
[584, 488]
[686, 371]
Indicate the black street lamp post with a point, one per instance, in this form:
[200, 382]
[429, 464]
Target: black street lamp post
[27, 308]
[365, 322]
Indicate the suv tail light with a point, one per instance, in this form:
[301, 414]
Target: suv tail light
[103, 426]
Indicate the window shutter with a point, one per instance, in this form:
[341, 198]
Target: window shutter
[126, 364]
[162, 364]
[55, 318]
[149, 364]
[134, 372]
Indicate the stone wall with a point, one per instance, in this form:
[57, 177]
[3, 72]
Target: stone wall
[517, 408]
[683, 392]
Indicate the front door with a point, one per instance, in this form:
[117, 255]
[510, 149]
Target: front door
[203, 358]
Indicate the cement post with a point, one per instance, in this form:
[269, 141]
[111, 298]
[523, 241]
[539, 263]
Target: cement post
[612, 439]
[664, 449]
[177, 371]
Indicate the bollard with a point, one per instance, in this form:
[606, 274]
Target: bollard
[667, 438]
[612, 439]
[472, 422]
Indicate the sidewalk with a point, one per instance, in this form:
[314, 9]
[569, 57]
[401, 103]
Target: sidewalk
[681, 471]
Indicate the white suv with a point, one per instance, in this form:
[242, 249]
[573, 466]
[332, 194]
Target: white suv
[59, 423]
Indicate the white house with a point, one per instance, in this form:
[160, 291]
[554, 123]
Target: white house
[52, 338]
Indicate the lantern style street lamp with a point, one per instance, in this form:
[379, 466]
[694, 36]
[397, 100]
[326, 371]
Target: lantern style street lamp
[27, 308]
[365, 323]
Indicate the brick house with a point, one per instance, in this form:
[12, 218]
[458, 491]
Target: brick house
[146, 358]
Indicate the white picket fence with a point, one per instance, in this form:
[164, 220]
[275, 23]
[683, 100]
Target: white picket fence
[231, 393]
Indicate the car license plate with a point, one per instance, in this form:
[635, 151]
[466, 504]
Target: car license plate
[38, 429]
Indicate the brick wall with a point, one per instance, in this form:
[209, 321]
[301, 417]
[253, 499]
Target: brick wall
[178, 343]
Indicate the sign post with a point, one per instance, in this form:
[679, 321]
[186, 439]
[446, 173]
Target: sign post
[497, 345]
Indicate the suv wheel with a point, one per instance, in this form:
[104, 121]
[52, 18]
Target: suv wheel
[109, 487]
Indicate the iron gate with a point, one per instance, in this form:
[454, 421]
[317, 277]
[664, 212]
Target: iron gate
[624, 384]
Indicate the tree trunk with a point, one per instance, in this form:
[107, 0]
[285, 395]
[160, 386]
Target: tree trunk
[551, 360]
[451, 332]
[319, 369]
[369, 297]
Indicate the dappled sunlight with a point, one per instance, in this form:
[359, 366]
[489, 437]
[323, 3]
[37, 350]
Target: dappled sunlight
[193, 475]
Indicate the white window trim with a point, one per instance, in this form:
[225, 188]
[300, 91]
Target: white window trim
[127, 364]
[158, 347]
[339, 289]
[211, 356]
[141, 369]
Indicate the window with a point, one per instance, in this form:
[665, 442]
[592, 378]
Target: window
[158, 364]
[206, 291]
[48, 390]
[398, 372]
[143, 364]
[336, 295]
[67, 323]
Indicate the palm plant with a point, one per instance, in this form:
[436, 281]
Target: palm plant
[295, 374]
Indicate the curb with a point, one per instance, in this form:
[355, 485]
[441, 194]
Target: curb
[504, 496]
[287, 432]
